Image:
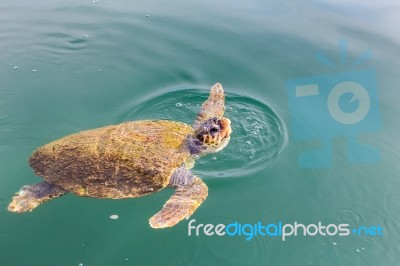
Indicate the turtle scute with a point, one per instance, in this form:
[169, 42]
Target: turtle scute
[120, 161]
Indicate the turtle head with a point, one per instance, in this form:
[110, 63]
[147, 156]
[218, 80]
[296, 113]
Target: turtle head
[214, 134]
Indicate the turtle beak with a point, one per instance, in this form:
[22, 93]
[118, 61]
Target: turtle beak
[225, 127]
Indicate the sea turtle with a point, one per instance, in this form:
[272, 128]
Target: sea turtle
[130, 160]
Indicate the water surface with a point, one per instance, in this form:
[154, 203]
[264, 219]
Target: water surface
[67, 66]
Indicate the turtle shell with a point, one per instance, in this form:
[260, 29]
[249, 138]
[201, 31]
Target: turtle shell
[127, 160]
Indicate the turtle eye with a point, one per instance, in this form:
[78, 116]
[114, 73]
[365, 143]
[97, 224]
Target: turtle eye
[214, 130]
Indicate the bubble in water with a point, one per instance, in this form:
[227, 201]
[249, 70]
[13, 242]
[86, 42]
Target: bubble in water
[96, 1]
[34, 70]
[357, 250]
[80, 264]
[16, 67]
[86, 35]
[179, 105]
[147, 16]
[114, 217]
[214, 158]
[334, 243]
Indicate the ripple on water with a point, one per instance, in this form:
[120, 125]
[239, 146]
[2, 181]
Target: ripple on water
[259, 135]
[64, 43]
[353, 218]
[391, 205]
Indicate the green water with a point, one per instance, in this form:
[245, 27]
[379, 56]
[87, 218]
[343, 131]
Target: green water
[67, 66]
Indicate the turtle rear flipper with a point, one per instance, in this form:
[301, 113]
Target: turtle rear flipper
[185, 200]
[212, 107]
[31, 196]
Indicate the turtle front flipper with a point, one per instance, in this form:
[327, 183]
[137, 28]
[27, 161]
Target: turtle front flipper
[212, 107]
[31, 196]
[186, 199]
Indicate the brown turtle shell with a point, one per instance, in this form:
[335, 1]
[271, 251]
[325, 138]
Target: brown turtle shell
[121, 161]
